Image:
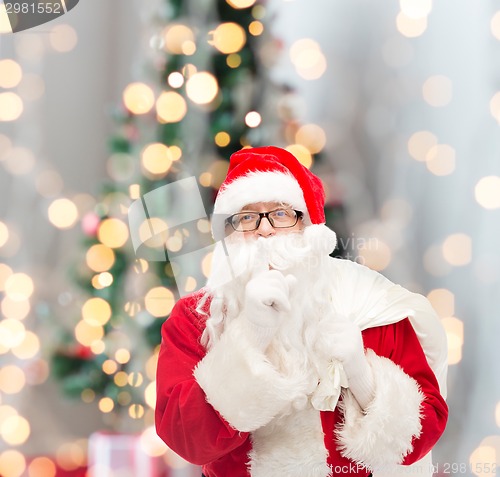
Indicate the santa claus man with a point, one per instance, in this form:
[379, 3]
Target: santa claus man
[290, 363]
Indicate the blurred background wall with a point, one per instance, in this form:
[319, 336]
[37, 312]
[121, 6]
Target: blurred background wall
[403, 102]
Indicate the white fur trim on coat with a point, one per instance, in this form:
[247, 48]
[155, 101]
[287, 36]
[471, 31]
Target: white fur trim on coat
[383, 434]
[291, 446]
[260, 187]
[241, 383]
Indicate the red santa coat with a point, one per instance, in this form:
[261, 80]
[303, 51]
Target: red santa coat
[207, 416]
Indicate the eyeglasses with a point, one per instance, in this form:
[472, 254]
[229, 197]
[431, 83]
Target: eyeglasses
[279, 219]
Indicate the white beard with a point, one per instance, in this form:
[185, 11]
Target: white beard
[305, 255]
[292, 443]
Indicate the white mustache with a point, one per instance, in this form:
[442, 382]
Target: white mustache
[284, 252]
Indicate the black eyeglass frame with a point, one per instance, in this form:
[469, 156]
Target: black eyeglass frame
[298, 214]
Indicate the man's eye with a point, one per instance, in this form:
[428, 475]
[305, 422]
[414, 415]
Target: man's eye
[247, 218]
[281, 213]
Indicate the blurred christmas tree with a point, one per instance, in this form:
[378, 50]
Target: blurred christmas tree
[210, 96]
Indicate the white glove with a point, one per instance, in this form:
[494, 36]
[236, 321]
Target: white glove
[340, 339]
[266, 303]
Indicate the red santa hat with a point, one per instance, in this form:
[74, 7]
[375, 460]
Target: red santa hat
[268, 174]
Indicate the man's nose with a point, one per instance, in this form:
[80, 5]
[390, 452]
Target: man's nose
[265, 229]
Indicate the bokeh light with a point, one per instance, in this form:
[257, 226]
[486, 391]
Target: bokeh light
[87, 334]
[138, 98]
[136, 411]
[19, 286]
[72, 455]
[63, 38]
[29, 347]
[10, 73]
[174, 242]
[12, 310]
[202, 88]
[190, 284]
[483, 460]
[440, 160]
[312, 136]
[63, 213]
[420, 143]
[175, 152]
[410, 27]
[159, 301]
[12, 379]
[12, 333]
[438, 90]
[11, 106]
[443, 301]
[152, 232]
[19, 160]
[416, 8]
[206, 265]
[256, 28]
[457, 249]
[5, 273]
[179, 39]
[12, 462]
[375, 254]
[222, 139]
[156, 159]
[150, 395]
[175, 79]
[135, 379]
[103, 280]
[109, 366]
[171, 107]
[96, 311]
[253, 119]
[4, 234]
[5, 146]
[31, 87]
[487, 192]
[151, 443]
[106, 404]
[228, 38]
[495, 25]
[113, 232]
[233, 60]
[42, 467]
[495, 106]
[39, 371]
[454, 329]
[121, 379]
[302, 154]
[240, 3]
[100, 258]
[122, 355]
[308, 59]
[15, 430]
[216, 173]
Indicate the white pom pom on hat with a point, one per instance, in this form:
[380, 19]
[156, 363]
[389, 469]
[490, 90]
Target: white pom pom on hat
[268, 174]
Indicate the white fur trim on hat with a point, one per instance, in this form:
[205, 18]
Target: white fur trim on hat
[260, 186]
